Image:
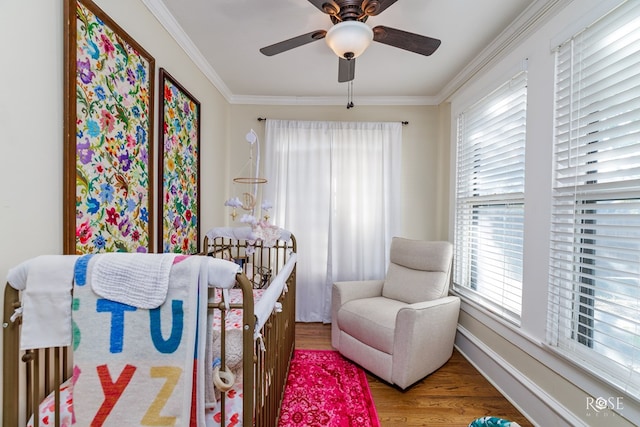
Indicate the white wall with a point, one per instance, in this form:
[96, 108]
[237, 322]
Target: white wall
[31, 121]
[31, 135]
[552, 391]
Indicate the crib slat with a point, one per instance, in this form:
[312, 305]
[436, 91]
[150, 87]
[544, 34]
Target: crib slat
[56, 380]
[10, 359]
[33, 371]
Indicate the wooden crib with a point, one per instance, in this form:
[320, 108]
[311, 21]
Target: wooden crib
[30, 376]
[271, 356]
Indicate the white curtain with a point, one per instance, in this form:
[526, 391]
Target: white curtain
[336, 186]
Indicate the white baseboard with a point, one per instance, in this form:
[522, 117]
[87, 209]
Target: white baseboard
[532, 401]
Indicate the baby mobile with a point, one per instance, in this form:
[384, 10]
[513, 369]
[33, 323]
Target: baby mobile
[250, 181]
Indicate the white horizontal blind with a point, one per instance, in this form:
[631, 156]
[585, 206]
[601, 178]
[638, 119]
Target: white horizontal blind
[594, 299]
[489, 217]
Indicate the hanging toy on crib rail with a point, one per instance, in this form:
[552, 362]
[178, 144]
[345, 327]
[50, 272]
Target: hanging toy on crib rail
[248, 198]
[261, 230]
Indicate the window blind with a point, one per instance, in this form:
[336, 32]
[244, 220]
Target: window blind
[594, 298]
[489, 216]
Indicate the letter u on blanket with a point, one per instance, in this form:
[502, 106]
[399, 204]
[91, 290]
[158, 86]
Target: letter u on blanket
[135, 366]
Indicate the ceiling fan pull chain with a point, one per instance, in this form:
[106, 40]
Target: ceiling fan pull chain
[350, 95]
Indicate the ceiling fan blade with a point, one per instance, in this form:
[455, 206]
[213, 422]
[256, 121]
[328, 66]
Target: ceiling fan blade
[325, 6]
[383, 5]
[294, 42]
[346, 69]
[405, 40]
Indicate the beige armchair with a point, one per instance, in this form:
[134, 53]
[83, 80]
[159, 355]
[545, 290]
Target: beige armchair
[401, 328]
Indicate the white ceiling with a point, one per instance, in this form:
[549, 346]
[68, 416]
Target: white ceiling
[224, 37]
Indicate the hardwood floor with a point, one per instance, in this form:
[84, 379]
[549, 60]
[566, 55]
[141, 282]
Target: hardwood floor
[453, 396]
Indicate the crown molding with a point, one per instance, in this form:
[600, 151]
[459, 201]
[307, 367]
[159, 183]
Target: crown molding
[167, 20]
[534, 16]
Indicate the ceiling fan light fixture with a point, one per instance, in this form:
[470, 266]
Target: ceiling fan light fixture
[349, 39]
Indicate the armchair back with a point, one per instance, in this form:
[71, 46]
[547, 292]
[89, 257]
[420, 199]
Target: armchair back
[418, 270]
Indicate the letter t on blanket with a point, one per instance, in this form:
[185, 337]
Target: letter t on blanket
[135, 366]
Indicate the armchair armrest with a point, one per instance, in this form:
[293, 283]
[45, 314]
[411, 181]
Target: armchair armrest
[343, 292]
[424, 330]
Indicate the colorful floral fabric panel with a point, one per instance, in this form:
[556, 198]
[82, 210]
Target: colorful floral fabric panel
[112, 140]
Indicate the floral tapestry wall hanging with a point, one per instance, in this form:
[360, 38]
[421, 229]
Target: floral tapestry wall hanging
[108, 157]
[179, 160]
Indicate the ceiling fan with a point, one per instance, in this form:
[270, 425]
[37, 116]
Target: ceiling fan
[350, 36]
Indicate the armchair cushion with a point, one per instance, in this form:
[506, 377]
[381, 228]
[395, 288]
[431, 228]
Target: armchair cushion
[372, 320]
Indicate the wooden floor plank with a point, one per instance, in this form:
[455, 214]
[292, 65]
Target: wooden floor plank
[453, 396]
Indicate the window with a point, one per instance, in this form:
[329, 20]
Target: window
[337, 187]
[489, 216]
[594, 298]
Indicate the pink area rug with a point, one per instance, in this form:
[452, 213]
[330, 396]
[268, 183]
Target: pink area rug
[325, 389]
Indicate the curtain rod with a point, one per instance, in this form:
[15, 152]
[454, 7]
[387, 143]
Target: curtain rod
[262, 119]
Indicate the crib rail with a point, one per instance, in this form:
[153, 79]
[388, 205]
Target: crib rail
[278, 334]
[259, 263]
[248, 326]
[30, 376]
[267, 370]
